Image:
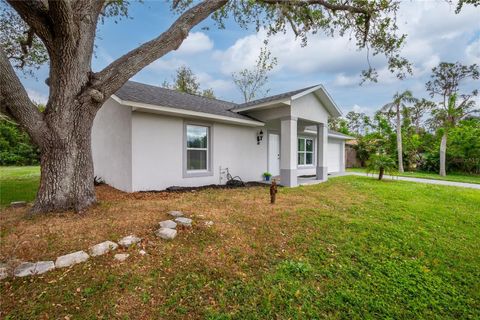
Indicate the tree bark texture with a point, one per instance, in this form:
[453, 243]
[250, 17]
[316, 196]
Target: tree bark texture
[399, 141]
[443, 154]
[67, 174]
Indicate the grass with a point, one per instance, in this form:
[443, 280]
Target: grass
[456, 177]
[18, 184]
[350, 248]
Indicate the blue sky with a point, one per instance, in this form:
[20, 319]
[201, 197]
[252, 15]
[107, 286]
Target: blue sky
[435, 33]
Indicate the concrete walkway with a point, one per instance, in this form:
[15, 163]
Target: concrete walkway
[421, 180]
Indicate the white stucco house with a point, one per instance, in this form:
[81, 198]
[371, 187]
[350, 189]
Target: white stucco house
[151, 138]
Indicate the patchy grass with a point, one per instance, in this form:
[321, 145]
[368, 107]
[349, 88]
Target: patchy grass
[456, 177]
[350, 248]
[18, 184]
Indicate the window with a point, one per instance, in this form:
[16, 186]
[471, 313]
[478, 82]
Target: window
[197, 148]
[305, 151]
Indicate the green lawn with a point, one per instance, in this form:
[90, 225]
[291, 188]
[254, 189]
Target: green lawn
[457, 177]
[350, 248]
[18, 184]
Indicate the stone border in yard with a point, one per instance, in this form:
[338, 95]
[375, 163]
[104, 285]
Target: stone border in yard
[167, 231]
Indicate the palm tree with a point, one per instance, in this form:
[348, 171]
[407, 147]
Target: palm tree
[382, 164]
[448, 117]
[397, 106]
[454, 106]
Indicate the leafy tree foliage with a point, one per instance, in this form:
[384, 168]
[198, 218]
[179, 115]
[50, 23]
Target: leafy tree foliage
[15, 146]
[455, 105]
[424, 127]
[252, 82]
[186, 81]
[396, 107]
[382, 164]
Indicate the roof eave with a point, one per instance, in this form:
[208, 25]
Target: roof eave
[184, 112]
[263, 105]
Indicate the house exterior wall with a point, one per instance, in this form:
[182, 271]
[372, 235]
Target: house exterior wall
[309, 108]
[158, 152]
[112, 145]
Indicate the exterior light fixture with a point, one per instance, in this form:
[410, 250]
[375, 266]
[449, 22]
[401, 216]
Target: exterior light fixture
[259, 136]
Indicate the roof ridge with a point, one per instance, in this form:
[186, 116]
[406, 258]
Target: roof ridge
[272, 97]
[183, 93]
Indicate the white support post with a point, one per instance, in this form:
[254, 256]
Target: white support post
[322, 147]
[288, 152]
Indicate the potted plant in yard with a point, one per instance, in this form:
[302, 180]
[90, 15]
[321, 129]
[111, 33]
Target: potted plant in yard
[382, 164]
[267, 176]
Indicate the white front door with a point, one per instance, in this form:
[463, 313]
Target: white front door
[274, 154]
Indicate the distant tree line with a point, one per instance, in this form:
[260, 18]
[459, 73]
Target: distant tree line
[439, 135]
[16, 148]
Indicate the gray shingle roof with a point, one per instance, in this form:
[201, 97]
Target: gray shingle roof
[346, 136]
[144, 93]
[272, 98]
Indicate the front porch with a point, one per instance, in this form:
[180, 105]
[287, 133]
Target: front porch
[302, 151]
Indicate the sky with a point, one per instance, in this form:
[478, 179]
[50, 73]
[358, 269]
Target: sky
[434, 34]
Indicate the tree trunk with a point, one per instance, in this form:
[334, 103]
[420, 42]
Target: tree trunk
[443, 154]
[67, 174]
[380, 173]
[399, 141]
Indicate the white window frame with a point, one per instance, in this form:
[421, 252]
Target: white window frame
[200, 172]
[305, 152]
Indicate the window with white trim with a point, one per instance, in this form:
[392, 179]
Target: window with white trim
[305, 151]
[197, 148]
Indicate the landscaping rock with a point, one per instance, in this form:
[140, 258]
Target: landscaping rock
[121, 256]
[18, 204]
[29, 268]
[3, 271]
[129, 241]
[102, 248]
[176, 214]
[142, 252]
[184, 222]
[71, 259]
[166, 233]
[168, 224]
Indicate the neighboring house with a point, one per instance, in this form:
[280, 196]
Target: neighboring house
[151, 138]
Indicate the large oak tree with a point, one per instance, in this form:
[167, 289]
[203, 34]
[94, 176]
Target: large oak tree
[66, 30]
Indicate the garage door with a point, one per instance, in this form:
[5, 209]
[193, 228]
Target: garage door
[333, 156]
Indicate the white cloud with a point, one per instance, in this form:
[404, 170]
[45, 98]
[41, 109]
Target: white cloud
[472, 52]
[343, 80]
[195, 42]
[166, 65]
[36, 96]
[434, 31]
[322, 54]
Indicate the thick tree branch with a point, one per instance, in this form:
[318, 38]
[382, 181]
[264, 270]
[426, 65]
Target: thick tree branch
[35, 14]
[15, 103]
[110, 79]
[61, 14]
[324, 3]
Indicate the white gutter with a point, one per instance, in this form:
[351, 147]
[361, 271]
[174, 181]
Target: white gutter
[331, 135]
[263, 105]
[187, 113]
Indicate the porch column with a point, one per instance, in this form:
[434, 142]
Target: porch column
[288, 152]
[322, 145]
[342, 157]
